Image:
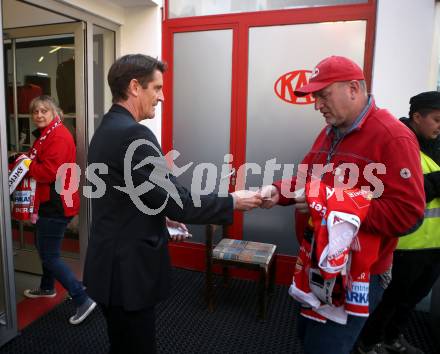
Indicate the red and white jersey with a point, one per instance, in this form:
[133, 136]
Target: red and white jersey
[332, 272]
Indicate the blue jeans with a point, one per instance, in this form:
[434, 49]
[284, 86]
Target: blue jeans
[334, 338]
[50, 233]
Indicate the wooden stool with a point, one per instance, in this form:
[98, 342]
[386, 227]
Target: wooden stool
[256, 256]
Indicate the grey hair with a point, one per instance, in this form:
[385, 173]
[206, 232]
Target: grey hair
[48, 102]
[363, 85]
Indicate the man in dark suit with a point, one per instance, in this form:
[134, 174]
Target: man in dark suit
[127, 268]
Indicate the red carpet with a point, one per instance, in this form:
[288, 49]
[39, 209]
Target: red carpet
[30, 310]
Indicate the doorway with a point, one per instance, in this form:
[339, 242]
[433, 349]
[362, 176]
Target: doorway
[42, 60]
[64, 54]
[47, 58]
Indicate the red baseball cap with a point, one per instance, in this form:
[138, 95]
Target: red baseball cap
[330, 70]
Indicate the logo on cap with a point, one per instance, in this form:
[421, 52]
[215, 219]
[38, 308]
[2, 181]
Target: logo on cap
[315, 73]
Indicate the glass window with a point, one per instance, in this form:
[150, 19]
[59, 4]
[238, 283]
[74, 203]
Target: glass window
[190, 8]
[202, 57]
[103, 58]
[44, 66]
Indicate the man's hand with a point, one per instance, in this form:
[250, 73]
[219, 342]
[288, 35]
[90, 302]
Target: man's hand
[178, 226]
[246, 200]
[270, 196]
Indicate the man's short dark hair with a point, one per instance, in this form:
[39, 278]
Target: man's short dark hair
[128, 67]
[422, 111]
[424, 103]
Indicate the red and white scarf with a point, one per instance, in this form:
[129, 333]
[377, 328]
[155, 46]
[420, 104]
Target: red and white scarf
[23, 187]
[37, 144]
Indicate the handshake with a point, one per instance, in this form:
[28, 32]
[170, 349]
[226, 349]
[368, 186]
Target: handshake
[266, 197]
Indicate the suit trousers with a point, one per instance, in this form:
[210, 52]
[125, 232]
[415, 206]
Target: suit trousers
[131, 332]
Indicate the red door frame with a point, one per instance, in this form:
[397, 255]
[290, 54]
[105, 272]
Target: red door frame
[191, 255]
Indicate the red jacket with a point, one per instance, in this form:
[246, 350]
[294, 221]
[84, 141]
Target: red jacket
[378, 138]
[58, 148]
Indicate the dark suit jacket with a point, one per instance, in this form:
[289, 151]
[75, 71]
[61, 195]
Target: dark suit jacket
[127, 261]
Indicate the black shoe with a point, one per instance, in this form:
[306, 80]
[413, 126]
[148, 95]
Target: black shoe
[37, 292]
[83, 311]
[401, 345]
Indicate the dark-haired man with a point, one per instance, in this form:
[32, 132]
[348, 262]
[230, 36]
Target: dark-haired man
[416, 264]
[127, 266]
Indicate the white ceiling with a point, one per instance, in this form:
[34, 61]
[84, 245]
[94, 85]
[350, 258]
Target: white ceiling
[19, 14]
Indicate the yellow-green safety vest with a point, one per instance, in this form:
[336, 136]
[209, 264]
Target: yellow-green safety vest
[428, 234]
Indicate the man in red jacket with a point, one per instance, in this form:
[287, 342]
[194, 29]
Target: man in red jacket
[362, 146]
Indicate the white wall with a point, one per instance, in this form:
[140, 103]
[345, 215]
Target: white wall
[435, 55]
[403, 52]
[141, 33]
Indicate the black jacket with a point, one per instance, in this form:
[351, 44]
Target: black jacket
[430, 147]
[127, 262]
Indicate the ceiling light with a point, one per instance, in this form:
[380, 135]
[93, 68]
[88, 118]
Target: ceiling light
[55, 49]
[41, 59]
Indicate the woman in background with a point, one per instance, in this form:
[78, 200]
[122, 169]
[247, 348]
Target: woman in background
[54, 146]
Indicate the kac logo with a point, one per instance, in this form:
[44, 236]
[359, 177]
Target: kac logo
[286, 85]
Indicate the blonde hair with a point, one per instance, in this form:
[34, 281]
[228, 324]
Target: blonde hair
[48, 102]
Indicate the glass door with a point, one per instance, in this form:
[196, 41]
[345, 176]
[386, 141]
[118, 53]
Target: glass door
[8, 314]
[44, 60]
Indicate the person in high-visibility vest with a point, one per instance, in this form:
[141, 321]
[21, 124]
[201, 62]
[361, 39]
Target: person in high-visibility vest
[416, 265]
